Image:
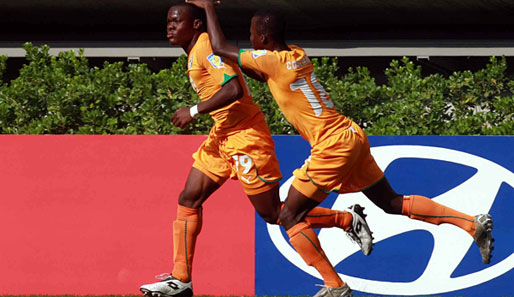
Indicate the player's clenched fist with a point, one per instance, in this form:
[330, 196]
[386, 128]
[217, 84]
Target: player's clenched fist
[182, 117]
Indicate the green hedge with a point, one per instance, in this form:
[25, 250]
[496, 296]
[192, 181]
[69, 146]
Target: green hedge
[64, 95]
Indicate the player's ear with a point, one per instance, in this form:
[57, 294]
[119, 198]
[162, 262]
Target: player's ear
[197, 24]
[264, 39]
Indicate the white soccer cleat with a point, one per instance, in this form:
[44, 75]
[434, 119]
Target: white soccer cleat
[167, 287]
[359, 232]
[483, 236]
[343, 291]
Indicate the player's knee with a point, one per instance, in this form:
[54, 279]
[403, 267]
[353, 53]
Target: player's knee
[385, 206]
[288, 219]
[393, 206]
[388, 209]
[189, 199]
[271, 217]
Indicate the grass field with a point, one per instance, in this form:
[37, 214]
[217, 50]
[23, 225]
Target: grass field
[142, 295]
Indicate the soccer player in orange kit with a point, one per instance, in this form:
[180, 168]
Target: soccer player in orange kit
[340, 158]
[239, 146]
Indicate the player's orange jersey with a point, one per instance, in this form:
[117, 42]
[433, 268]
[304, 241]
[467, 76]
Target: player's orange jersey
[300, 96]
[207, 74]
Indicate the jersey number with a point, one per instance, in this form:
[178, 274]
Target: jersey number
[244, 161]
[308, 92]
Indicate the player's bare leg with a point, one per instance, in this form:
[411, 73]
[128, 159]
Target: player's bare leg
[186, 228]
[268, 207]
[267, 204]
[352, 220]
[425, 209]
[383, 196]
[303, 238]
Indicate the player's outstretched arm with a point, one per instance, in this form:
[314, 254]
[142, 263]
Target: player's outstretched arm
[230, 92]
[219, 43]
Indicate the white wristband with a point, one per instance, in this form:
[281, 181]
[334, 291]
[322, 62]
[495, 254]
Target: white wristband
[193, 111]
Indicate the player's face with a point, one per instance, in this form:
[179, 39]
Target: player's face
[255, 39]
[179, 28]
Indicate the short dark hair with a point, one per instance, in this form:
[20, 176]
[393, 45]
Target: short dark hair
[196, 12]
[271, 23]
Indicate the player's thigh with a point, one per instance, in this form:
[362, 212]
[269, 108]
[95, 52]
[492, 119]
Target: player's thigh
[365, 172]
[210, 170]
[296, 207]
[267, 204]
[198, 188]
[251, 154]
[330, 163]
[385, 197]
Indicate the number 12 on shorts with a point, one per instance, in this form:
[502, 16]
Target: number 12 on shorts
[244, 161]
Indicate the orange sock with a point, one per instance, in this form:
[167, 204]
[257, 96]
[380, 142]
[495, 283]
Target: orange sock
[185, 230]
[425, 209]
[320, 217]
[306, 243]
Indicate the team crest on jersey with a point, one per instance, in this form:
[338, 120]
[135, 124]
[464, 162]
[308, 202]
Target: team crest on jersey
[215, 61]
[258, 53]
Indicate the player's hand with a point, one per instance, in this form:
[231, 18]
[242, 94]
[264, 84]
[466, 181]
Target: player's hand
[203, 3]
[182, 117]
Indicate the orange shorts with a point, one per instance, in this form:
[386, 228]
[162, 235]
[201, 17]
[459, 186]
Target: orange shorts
[247, 155]
[342, 163]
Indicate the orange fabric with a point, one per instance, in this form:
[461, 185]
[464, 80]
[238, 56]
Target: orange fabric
[308, 187]
[320, 217]
[248, 155]
[297, 91]
[185, 231]
[306, 243]
[340, 157]
[425, 209]
[207, 74]
[342, 163]
[240, 143]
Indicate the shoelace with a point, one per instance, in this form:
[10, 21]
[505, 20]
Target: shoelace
[163, 276]
[352, 235]
[486, 223]
[324, 287]
[328, 290]
[486, 220]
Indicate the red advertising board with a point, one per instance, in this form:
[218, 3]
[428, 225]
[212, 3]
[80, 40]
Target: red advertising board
[89, 215]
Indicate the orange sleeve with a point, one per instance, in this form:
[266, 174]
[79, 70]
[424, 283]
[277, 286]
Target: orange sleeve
[260, 60]
[220, 71]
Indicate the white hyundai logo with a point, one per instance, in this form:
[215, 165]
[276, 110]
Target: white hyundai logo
[476, 195]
